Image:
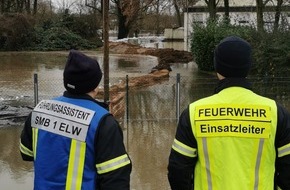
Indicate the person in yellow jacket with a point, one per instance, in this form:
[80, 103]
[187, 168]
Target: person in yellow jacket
[234, 139]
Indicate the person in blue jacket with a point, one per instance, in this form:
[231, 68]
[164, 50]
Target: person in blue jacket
[73, 140]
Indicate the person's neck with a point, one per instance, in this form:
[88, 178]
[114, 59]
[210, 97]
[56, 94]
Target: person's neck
[230, 82]
[93, 93]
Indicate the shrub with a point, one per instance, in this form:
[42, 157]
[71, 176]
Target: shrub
[60, 38]
[271, 51]
[205, 38]
[16, 30]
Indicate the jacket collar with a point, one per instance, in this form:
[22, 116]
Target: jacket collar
[230, 82]
[86, 97]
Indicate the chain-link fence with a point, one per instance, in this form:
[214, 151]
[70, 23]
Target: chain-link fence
[162, 101]
[168, 100]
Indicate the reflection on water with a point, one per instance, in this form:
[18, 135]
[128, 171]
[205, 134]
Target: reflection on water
[152, 110]
[148, 142]
[14, 173]
[149, 147]
[16, 73]
[18, 69]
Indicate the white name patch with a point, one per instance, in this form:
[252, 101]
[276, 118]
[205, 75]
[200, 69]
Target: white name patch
[62, 118]
[65, 110]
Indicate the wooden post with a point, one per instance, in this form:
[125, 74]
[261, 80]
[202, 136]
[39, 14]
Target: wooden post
[106, 49]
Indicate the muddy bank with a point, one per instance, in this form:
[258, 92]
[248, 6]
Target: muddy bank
[166, 56]
[159, 73]
[10, 115]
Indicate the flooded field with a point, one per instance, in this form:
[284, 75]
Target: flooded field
[152, 111]
[148, 137]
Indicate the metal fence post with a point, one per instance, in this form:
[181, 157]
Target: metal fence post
[177, 95]
[127, 109]
[35, 82]
[127, 99]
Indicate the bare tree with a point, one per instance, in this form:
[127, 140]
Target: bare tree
[211, 4]
[27, 7]
[260, 19]
[179, 6]
[64, 5]
[158, 20]
[179, 18]
[34, 7]
[155, 11]
[277, 14]
[127, 12]
[260, 11]
[96, 5]
[8, 6]
[227, 11]
[2, 6]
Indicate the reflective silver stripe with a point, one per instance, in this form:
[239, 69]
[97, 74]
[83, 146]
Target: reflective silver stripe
[76, 165]
[75, 168]
[184, 149]
[113, 164]
[258, 163]
[25, 150]
[207, 163]
[284, 150]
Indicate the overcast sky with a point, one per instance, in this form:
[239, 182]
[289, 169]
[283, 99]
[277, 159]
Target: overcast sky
[66, 3]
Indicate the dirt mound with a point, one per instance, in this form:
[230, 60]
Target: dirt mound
[117, 92]
[158, 74]
[166, 56]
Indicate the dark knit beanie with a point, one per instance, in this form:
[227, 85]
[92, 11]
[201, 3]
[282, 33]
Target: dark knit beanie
[82, 74]
[232, 57]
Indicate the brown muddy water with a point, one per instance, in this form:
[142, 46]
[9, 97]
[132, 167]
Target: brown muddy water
[148, 144]
[152, 112]
[148, 134]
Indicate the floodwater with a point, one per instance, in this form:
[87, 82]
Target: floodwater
[152, 111]
[148, 134]
[148, 145]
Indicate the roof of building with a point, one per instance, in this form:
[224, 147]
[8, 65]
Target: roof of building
[239, 3]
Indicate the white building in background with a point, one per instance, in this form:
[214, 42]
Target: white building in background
[242, 12]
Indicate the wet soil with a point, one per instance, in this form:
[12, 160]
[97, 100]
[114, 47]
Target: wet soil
[160, 72]
[166, 56]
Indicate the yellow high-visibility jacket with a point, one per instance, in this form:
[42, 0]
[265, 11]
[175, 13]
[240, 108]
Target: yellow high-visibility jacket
[235, 138]
[228, 142]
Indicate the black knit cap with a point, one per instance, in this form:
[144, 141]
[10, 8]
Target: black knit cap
[82, 74]
[233, 57]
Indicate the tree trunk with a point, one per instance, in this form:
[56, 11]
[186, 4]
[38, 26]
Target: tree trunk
[212, 9]
[7, 8]
[34, 7]
[2, 5]
[158, 18]
[19, 8]
[123, 29]
[179, 21]
[260, 19]
[277, 15]
[27, 7]
[227, 11]
[106, 50]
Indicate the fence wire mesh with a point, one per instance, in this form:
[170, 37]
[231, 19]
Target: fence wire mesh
[163, 101]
